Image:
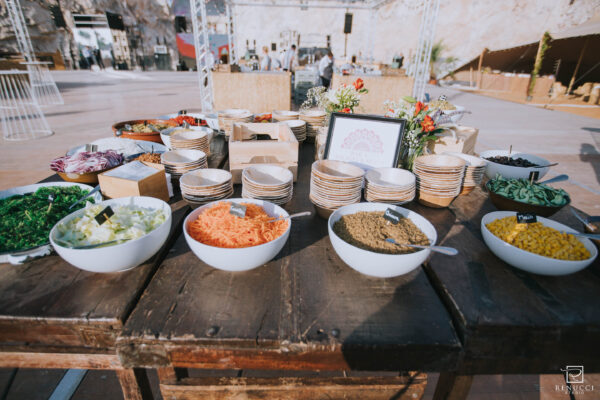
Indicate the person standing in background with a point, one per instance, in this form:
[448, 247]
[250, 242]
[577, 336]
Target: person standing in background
[289, 59]
[98, 57]
[326, 69]
[85, 51]
[265, 63]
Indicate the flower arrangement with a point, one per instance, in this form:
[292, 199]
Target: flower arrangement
[343, 99]
[420, 127]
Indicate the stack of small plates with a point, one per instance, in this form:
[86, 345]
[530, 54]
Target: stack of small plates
[439, 179]
[230, 116]
[314, 120]
[474, 172]
[202, 186]
[299, 128]
[178, 162]
[268, 182]
[281, 115]
[334, 184]
[390, 185]
[194, 139]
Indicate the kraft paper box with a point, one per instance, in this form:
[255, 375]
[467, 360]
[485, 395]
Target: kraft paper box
[134, 179]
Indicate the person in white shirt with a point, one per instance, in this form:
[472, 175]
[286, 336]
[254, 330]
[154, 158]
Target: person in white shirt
[290, 58]
[326, 69]
[265, 63]
[275, 63]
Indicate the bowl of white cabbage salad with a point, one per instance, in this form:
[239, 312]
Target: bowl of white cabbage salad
[136, 230]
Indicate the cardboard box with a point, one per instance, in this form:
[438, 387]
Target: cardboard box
[134, 179]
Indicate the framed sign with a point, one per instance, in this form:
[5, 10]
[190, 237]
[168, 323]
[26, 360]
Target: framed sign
[367, 141]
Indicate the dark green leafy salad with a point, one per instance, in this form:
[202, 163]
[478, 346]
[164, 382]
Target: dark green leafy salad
[526, 192]
[26, 220]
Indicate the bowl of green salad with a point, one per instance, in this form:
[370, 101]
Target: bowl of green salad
[524, 196]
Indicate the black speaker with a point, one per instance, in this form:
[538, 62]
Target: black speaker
[115, 21]
[348, 23]
[180, 24]
[57, 16]
[273, 46]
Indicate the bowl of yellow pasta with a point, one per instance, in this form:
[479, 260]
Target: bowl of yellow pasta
[544, 247]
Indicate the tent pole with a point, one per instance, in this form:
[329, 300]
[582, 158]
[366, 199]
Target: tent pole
[479, 73]
[577, 66]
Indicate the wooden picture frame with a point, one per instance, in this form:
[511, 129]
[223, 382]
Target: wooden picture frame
[367, 141]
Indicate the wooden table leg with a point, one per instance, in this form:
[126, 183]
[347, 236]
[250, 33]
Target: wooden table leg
[451, 386]
[134, 384]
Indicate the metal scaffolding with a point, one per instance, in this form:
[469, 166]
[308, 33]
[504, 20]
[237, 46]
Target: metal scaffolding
[203, 64]
[43, 87]
[231, 25]
[419, 69]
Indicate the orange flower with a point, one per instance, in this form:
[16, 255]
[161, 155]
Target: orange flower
[420, 107]
[427, 124]
[346, 110]
[359, 84]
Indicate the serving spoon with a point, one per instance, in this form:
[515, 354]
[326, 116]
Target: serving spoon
[300, 214]
[558, 178]
[90, 246]
[449, 251]
[91, 192]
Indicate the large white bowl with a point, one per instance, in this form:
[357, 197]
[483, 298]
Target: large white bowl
[510, 172]
[378, 264]
[242, 259]
[122, 256]
[531, 262]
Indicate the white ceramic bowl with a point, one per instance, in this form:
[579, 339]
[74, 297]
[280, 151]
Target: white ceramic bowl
[509, 172]
[378, 264]
[242, 259]
[122, 256]
[531, 262]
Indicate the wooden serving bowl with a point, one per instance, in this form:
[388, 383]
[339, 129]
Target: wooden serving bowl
[88, 177]
[150, 137]
[506, 204]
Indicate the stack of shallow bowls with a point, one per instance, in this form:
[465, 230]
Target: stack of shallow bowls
[298, 127]
[268, 182]
[439, 179]
[194, 139]
[314, 120]
[473, 173]
[178, 162]
[390, 185]
[230, 116]
[282, 115]
[334, 184]
[202, 186]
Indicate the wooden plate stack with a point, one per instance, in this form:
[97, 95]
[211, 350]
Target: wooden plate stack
[314, 120]
[390, 185]
[474, 172]
[298, 127]
[268, 182]
[202, 186]
[178, 162]
[334, 184]
[282, 115]
[230, 116]
[194, 139]
[439, 179]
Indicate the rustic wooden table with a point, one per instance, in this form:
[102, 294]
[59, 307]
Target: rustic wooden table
[53, 315]
[304, 310]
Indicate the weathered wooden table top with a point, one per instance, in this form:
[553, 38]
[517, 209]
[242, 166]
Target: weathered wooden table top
[512, 321]
[303, 310]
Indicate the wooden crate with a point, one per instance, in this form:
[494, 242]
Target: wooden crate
[281, 150]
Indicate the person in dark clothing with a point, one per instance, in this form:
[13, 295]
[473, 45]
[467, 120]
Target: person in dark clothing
[98, 57]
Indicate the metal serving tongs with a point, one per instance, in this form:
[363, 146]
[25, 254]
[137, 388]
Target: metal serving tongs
[449, 251]
[91, 192]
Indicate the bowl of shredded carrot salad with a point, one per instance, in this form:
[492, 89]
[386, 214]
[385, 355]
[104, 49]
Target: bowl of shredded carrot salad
[231, 243]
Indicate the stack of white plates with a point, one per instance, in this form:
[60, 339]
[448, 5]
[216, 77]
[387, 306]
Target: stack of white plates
[390, 185]
[439, 179]
[474, 172]
[202, 186]
[230, 116]
[194, 139]
[268, 182]
[178, 162]
[314, 120]
[298, 127]
[334, 184]
[282, 115]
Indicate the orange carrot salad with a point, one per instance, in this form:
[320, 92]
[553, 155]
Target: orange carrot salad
[217, 227]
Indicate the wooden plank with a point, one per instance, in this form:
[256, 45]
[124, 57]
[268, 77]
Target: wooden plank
[195, 316]
[511, 321]
[59, 360]
[452, 387]
[297, 388]
[239, 90]
[128, 378]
